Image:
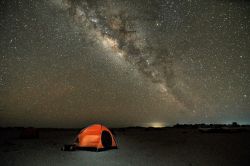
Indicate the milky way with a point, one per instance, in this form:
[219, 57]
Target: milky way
[124, 62]
[115, 30]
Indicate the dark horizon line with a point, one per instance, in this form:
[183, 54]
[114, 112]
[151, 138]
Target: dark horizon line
[136, 126]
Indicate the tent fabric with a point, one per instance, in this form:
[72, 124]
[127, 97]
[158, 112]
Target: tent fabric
[95, 136]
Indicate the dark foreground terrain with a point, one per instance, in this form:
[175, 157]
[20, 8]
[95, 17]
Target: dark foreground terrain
[136, 146]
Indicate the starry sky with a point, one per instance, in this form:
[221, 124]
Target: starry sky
[69, 63]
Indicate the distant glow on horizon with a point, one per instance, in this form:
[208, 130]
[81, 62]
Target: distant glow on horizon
[157, 124]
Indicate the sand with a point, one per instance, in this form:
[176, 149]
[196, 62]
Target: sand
[136, 146]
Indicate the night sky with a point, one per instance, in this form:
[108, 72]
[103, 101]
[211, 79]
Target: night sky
[69, 63]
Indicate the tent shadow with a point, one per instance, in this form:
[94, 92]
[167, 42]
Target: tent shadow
[90, 149]
[95, 149]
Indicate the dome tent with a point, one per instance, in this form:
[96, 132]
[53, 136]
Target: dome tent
[95, 137]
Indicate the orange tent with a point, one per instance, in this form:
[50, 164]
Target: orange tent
[96, 137]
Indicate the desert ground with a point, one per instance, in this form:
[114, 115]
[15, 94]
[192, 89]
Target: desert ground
[136, 146]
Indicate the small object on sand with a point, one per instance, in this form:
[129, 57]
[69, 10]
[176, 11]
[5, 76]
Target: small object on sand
[68, 148]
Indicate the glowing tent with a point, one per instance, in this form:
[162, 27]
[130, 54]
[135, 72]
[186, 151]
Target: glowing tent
[96, 137]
